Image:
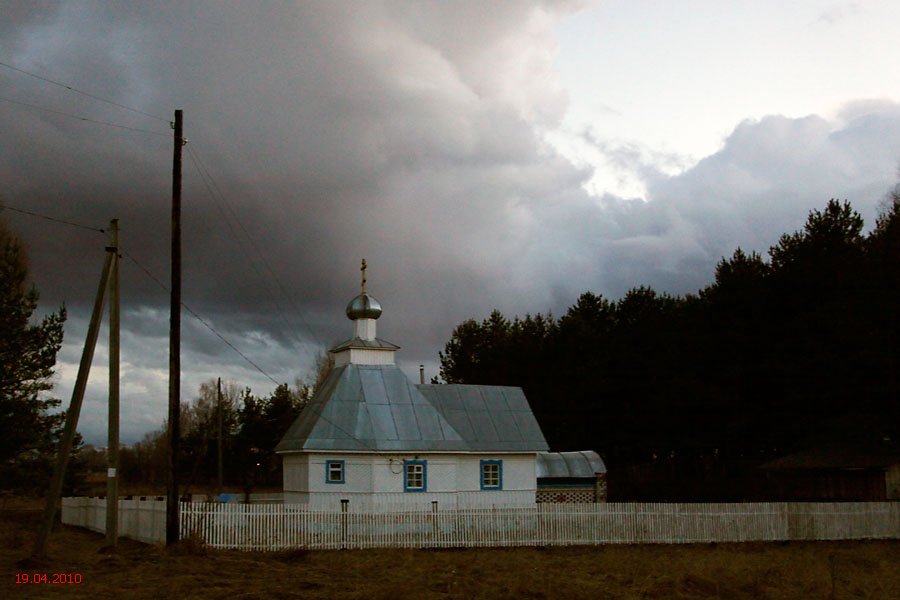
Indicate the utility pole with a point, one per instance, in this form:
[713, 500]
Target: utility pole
[175, 341]
[219, 426]
[65, 445]
[112, 450]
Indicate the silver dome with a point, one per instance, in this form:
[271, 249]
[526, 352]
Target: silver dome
[363, 306]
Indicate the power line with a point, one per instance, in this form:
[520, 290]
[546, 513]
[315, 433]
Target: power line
[59, 112]
[83, 93]
[155, 279]
[217, 195]
[199, 318]
[208, 182]
[64, 222]
[257, 367]
[229, 344]
[151, 276]
[205, 175]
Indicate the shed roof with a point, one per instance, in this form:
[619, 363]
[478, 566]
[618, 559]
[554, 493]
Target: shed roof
[585, 463]
[377, 408]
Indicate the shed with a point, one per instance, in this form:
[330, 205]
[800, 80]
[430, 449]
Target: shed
[571, 477]
[836, 472]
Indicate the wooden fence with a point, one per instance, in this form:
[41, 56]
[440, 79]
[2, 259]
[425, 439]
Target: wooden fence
[142, 520]
[277, 527]
[283, 526]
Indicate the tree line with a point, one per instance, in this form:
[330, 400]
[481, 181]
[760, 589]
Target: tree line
[249, 427]
[776, 354]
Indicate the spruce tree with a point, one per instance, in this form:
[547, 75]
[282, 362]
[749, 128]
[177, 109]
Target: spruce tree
[27, 358]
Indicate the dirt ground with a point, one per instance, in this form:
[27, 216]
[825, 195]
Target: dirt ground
[827, 570]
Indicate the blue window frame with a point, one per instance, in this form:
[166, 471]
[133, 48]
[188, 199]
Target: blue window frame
[415, 475]
[334, 471]
[492, 474]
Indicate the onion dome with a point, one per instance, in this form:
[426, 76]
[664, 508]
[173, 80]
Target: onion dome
[363, 306]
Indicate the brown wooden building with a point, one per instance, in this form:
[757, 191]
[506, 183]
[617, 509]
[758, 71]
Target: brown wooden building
[835, 473]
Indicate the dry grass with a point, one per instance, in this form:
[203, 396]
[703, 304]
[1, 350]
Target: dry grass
[729, 571]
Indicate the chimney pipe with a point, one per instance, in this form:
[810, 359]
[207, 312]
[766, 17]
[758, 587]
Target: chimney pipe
[422, 374]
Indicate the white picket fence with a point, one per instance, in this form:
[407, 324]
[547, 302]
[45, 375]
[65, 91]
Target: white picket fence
[283, 526]
[274, 527]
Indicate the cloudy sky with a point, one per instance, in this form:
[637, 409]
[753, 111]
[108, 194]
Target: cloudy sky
[480, 155]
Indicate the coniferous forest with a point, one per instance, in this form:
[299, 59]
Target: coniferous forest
[780, 352]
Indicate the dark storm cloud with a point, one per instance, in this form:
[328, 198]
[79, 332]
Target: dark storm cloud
[333, 130]
[406, 133]
[398, 132]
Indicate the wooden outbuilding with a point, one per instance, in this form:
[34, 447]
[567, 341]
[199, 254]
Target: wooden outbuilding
[835, 473]
[566, 477]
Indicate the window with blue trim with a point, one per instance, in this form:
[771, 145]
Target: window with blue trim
[492, 474]
[334, 471]
[415, 475]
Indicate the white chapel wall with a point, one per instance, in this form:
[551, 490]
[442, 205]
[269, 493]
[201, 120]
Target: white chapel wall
[369, 479]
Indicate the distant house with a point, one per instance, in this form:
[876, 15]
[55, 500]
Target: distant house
[565, 477]
[836, 472]
[371, 436]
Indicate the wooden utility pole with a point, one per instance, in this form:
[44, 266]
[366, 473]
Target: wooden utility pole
[65, 445]
[219, 426]
[175, 342]
[112, 450]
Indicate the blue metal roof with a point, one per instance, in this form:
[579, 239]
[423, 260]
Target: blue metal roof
[377, 408]
[490, 418]
[586, 463]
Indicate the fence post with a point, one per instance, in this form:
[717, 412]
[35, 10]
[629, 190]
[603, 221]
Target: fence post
[344, 504]
[434, 522]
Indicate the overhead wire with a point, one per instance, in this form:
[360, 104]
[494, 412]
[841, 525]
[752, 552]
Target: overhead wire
[199, 318]
[193, 313]
[152, 277]
[134, 110]
[258, 368]
[221, 201]
[4, 206]
[82, 92]
[210, 184]
[80, 118]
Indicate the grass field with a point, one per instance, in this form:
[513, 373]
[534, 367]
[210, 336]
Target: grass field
[729, 571]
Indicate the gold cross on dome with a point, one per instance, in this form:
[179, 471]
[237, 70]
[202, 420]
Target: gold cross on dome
[363, 269]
